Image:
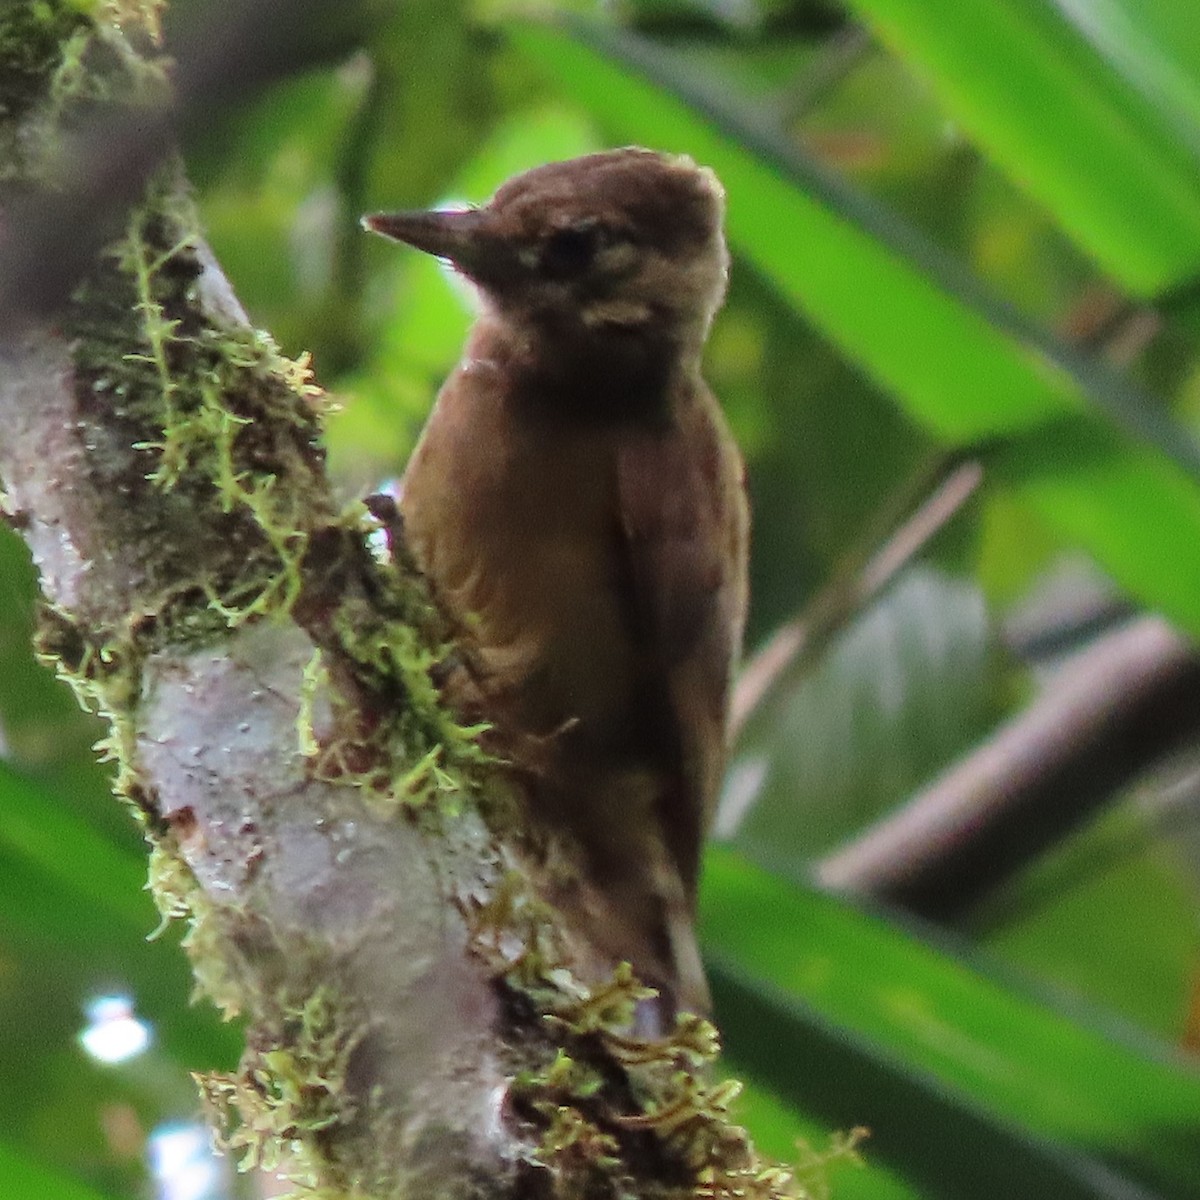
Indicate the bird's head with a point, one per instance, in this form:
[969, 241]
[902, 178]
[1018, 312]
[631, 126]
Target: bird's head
[624, 242]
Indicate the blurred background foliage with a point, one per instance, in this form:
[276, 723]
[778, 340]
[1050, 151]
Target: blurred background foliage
[966, 238]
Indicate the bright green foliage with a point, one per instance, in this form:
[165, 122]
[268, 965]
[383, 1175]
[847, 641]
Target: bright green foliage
[1086, 140]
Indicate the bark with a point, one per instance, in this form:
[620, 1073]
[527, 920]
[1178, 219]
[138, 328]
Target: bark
[348, 861]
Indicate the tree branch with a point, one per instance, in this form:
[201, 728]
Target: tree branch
[1127, 700]
[352, 867]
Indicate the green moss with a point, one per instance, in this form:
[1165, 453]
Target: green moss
[216, 390]
[611, 1115]
[289, 1088]
[813, 1168]
[59, 56]
[34, 37]
[391, 735]
[215, 416]
[581, 1157]
[179, 897]
[104, 672]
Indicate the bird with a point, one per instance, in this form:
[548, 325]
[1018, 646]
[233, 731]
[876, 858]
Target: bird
[578, 506]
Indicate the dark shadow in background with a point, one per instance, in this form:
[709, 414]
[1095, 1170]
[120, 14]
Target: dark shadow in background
[223, 52]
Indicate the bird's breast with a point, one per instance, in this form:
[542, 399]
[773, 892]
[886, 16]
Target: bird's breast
[516, 527]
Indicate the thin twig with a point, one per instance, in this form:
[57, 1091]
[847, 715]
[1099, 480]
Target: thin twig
[864, 574]
[841, 54]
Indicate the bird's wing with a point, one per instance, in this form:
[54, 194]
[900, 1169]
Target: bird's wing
[684, 527]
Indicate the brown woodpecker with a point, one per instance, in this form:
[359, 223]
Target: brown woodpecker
[578, 506]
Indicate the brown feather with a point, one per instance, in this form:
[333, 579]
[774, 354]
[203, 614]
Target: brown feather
[578, 505]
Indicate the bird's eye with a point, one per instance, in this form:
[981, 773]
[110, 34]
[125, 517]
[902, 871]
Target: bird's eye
[570, 251]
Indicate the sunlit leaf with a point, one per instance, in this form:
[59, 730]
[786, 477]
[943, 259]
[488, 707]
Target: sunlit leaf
[1086, 141]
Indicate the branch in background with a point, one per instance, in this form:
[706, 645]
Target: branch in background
[987, 818]
[860, 578]
[1111, 714]
[841, 53]
[222, 51]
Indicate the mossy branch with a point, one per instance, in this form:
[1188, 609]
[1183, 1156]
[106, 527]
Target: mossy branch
[345, 855]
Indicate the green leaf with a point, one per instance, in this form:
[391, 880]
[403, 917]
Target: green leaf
[46, 733]
[71, 898]
[1109, 914]
[930, 1050]
[35, 827]
[961, 363]
[27, 1179]
[938, 1141]
[1138, 516]
[905, 688]
[1155, 46]
[1097, 146]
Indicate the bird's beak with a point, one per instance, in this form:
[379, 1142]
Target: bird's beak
[463, 237]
